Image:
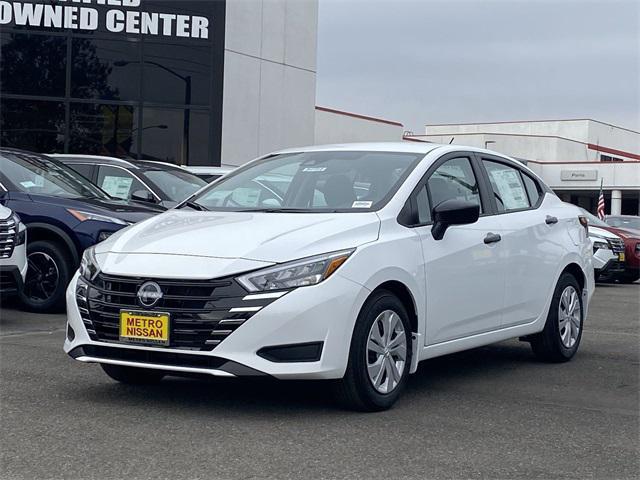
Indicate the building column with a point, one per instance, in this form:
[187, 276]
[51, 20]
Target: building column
[616, 202]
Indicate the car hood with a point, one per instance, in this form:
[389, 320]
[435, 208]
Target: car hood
[265, 237]
[130, 212]
[601, 232]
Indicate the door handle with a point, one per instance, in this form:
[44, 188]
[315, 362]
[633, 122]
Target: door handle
[551, 220]
[492, 238]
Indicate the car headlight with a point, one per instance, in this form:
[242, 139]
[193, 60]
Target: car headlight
[601, 245]
[85, 216]
[89, 268]
[299, 273]
[16, 218]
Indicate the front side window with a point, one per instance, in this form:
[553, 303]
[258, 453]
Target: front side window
[507, 185]
[454, 179]
[118, 182]
[37, 175]
[312, 182]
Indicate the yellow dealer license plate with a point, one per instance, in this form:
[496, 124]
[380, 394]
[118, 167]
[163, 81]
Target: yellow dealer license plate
[621, 256]
[144, 327]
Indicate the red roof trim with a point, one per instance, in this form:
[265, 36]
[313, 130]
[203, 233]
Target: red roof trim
[357, 115]
[612, 151]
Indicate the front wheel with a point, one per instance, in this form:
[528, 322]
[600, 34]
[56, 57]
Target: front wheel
[132, 375]
[560, 339]
[379, 357]
[48, 274]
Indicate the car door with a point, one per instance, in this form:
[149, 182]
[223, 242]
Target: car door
[533, 241]
[465, 270]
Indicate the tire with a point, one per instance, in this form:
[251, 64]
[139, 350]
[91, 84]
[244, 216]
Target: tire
[628, 278]
[551, 345]
[133, 375]
[356, 389]
[48, 275]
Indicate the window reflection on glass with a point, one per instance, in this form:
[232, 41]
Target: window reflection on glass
[104, 130]
[454, 179]
[164, 131]
[32, 125]
[178, 74]
[105, 69]
[24, 58]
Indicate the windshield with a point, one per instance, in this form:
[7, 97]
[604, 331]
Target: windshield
[311, 182]
[624, 222]
[39, 175]
[176, 184]
[593, 220]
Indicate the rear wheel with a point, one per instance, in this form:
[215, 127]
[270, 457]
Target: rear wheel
[133, 375]
[379, 357]
[629, 277]
[560, 339]
[48, 275]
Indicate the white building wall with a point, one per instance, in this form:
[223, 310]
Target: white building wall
[342, 127]
[269, 77]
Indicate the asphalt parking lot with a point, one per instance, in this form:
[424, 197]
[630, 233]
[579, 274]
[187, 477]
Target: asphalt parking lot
[493, 412]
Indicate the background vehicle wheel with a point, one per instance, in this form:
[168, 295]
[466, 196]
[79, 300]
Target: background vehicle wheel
[133, 375]
[379, 357]
[629, 278]
[48, 275]
[560, 339]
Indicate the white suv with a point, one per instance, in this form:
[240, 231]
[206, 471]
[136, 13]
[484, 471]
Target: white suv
[13, 252]
[350, 262]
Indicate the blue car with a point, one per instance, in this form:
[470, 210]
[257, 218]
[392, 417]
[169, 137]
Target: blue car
[64, 213]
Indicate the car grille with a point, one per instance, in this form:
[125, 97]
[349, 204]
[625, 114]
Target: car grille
[203, 312]
[617, 245]
[8, 233]
[8, 282]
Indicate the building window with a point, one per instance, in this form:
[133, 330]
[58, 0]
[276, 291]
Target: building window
[32, 125]
[99, 129]
[105, 69]
[33, 64]
[607, 158]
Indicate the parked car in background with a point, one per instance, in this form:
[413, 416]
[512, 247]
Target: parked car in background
[626, 222]
[147, 181]
[209, 174]
[13, 253]
[368, 259]
[631, 239]
[608, 249]
[64, 214]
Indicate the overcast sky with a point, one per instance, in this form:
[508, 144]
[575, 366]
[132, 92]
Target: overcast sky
[455, 61]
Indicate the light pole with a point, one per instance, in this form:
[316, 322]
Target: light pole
[187, 101]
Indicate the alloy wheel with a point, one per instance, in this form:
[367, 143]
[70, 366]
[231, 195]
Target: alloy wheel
[42, 277]
[386, 351]
[569, 316]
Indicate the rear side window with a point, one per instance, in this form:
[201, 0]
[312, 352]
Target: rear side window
[533, 190]
[507, 185]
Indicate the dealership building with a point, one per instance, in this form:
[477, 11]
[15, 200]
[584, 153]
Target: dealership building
[192, 82]
[575, 157]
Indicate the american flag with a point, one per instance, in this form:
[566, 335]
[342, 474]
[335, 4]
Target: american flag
[601, 204]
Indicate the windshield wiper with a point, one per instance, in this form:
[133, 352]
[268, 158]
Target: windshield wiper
[284, 210]
[194, 205]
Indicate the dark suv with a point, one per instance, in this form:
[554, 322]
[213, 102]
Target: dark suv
[64, 214]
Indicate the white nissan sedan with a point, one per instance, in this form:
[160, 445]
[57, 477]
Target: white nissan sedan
[346, 262]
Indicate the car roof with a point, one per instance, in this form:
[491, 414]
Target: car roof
[127, 163]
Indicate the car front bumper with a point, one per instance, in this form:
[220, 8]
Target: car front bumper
[323, 314]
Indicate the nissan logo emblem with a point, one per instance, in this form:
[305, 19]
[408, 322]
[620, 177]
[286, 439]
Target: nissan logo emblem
[149, 294]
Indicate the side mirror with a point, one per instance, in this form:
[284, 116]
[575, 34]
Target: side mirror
[453, 212]
[143, 196]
